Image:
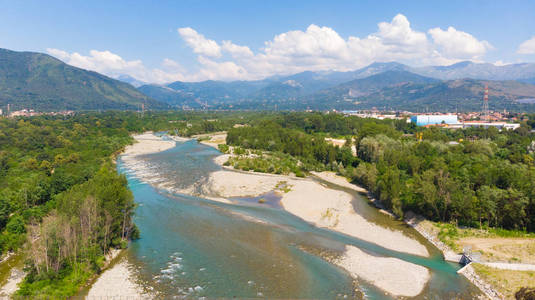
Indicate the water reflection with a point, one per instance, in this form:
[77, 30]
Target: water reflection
[251, 248]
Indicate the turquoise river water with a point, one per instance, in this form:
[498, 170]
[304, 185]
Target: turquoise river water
[194, 247]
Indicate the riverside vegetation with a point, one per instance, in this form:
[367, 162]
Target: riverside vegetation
[474, 177]
[61, 199]
[63, 203]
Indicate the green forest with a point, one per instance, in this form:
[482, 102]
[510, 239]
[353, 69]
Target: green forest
[62, 202]
[64, 205]
[474, 177]
[61, 199]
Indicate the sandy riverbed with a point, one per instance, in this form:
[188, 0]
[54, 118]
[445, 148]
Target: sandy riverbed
[229, 184]
[117, 283]
[339, 180]
[323, 207]
[212, 139]
[312, 202]
[146, 143]
[393, 275]
[12, 285]
[332, 209]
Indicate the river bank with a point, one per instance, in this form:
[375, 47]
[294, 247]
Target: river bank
[117, 282]
[405, 279]
[332, 209]
[320, 205]
[493, 259]
[12, 274]
[146, 143]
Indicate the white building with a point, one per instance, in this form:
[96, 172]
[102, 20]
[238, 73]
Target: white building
[499, 125]
[424, 120]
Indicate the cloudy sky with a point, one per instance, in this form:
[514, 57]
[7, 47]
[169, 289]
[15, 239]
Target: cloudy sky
[246, 40]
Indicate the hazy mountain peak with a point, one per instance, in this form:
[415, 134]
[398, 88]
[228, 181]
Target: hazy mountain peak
[131, 80]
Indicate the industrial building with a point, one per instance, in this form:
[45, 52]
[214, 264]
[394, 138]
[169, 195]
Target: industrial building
[451, 121]
[499, 125]
[424, 120]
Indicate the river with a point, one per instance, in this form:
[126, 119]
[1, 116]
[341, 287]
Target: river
[194, 247]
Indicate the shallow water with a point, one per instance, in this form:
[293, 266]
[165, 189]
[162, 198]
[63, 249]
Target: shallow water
[195, 247]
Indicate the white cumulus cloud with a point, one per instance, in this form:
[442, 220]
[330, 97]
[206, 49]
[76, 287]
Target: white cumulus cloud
[317, 48]
[527, 47]
[459, 44]
[113, 65]
[236, 50]
[399, 33]
[227, 70]
[199, 43]
[322, 48]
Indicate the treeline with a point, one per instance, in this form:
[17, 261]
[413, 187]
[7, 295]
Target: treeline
[182, 123]
[475, 177]
[333, 124]
[472, 182]
[61, 199]
[271, 136]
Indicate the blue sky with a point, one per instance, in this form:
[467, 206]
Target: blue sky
[196, 40]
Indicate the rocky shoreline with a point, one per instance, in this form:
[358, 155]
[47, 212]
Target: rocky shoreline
[486, 288]
[415, 221]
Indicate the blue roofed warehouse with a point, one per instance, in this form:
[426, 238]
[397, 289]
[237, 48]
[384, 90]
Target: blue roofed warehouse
[422, 120]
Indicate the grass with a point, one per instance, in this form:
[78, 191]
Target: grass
[263, 162]
[283, 186]
[451, 234]
[203, 138]
[329, 214]
[506, 282]
[494, 244]
[452, 231]
[67, 283]
[448, 234]
[15, 261]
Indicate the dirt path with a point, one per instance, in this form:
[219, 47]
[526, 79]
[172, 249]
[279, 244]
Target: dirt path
[512, 250]
[508, 266]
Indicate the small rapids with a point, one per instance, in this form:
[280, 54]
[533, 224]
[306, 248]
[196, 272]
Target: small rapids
[194, 247]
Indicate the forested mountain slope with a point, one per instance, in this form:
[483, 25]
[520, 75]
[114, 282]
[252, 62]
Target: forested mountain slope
[41, 82]
[381, 85]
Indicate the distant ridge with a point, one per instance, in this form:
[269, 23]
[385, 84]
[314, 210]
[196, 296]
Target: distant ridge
[42, 82]
[131, 80]
[403, 90]
[486, 71]
[415, 95]
[384, 86]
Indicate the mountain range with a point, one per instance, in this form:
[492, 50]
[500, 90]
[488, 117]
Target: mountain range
[42, 82]
[380, 85]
